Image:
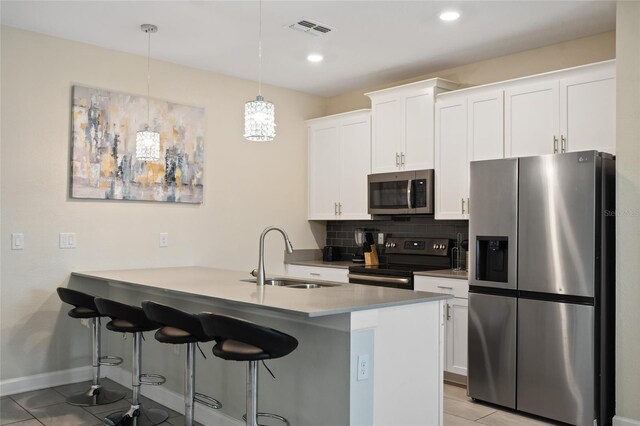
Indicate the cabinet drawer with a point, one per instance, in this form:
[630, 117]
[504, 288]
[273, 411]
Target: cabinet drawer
[456, 287]
[318, 273]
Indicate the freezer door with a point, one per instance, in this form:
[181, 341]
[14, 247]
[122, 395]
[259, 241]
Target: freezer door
[492, 349]
[493, 219]
[556, 361]
[556, 216]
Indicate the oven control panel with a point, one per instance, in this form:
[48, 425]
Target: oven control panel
[422, 246]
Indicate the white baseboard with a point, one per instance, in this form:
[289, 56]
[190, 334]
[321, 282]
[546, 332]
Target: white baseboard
[173, 400]
[623, 421]
[45, 380]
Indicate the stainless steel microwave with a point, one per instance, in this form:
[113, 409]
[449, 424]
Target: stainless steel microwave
[401, 192]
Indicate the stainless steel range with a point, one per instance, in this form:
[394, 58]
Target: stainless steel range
[404, 256]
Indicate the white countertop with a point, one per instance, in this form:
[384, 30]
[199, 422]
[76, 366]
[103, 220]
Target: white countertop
[228, 286]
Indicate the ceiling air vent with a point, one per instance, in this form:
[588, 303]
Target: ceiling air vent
[310, 26]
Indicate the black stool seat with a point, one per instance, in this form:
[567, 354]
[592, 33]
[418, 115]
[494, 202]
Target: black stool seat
[84, 305]
[177, 327]
[240, 340]
[124, 318]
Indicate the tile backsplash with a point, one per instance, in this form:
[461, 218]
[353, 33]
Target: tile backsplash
[340, 233]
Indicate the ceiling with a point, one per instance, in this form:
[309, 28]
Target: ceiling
[372, 42]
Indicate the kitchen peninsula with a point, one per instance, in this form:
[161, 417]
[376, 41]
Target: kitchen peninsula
[400, 331]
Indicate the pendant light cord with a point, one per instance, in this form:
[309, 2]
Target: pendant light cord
[260, 50]
[148, 76]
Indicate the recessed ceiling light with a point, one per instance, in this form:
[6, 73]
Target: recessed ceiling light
[450, 15]
[315, 57]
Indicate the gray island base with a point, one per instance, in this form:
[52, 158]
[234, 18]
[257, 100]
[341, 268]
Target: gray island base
[400, 331]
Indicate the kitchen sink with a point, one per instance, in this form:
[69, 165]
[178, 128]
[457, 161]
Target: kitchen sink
[293, 283]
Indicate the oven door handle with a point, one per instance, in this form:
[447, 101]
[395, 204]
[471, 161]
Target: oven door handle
[378, 279]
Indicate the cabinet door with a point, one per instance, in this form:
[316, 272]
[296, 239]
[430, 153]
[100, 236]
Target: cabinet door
[355, 141]
[588, 112]
[451, 162]
[456, 335]
[324, 172]
[486, 126]
[318, 273]
[387, 135]
[531, 119]
[418, 131]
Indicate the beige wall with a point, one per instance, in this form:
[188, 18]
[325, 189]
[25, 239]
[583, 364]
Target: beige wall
[628, 210]
[582, 51]
[248, 186]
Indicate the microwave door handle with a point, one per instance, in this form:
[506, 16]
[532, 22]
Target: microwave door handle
[409, 185]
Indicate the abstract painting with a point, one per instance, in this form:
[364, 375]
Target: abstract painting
[104, 164]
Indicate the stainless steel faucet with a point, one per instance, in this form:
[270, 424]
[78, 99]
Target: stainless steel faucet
[261, 273]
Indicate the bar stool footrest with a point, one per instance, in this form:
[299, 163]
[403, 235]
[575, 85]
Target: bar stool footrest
[110, 360]
[207, 400]
[271, 416]
[152, 379]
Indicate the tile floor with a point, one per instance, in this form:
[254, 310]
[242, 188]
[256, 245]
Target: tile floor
[47, 407]
[460, 410]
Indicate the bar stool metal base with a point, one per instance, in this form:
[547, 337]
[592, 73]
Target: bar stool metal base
[137, 417]
[95, 396]
[270, 416]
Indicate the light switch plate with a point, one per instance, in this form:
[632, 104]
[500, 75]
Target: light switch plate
[67, 240]
[17, 241]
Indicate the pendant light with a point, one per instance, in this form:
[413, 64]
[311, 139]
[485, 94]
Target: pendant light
[148, 141]
[259, 115]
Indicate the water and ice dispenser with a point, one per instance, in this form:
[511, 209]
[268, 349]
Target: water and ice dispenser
[492, 260]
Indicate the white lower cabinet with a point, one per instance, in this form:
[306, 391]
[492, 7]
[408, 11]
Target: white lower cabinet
[456, 318]
[318, 273]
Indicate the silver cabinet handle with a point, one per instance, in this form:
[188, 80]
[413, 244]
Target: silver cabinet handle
[462, 199]
[314, 274]
[468, 208]
[335, 209]
[397, 160]
[448, 312]
[555, 144]
[445, 288]
[402, 156]
[563, 143]
[339, 208]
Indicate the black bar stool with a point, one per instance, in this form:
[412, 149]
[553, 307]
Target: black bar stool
[85, 307]
[131, 319]
[240, 340]
[179, 327]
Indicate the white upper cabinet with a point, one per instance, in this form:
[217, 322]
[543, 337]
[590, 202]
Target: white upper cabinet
[531, 119]
[588, 111]
[403, 125]
[486, 125]
[571, 110]
[339, 162]
[452, 162]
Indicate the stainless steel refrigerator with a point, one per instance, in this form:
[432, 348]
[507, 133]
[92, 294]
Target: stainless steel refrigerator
[541, 298]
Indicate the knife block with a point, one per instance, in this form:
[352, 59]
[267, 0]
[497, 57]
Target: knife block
[371, 257]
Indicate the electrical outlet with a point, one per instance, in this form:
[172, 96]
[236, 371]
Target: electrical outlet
[164, 239]
[363, 367]
[380, 239]
[17, 241]
[67, 240]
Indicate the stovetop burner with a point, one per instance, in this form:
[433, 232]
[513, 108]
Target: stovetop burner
[408, 255]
